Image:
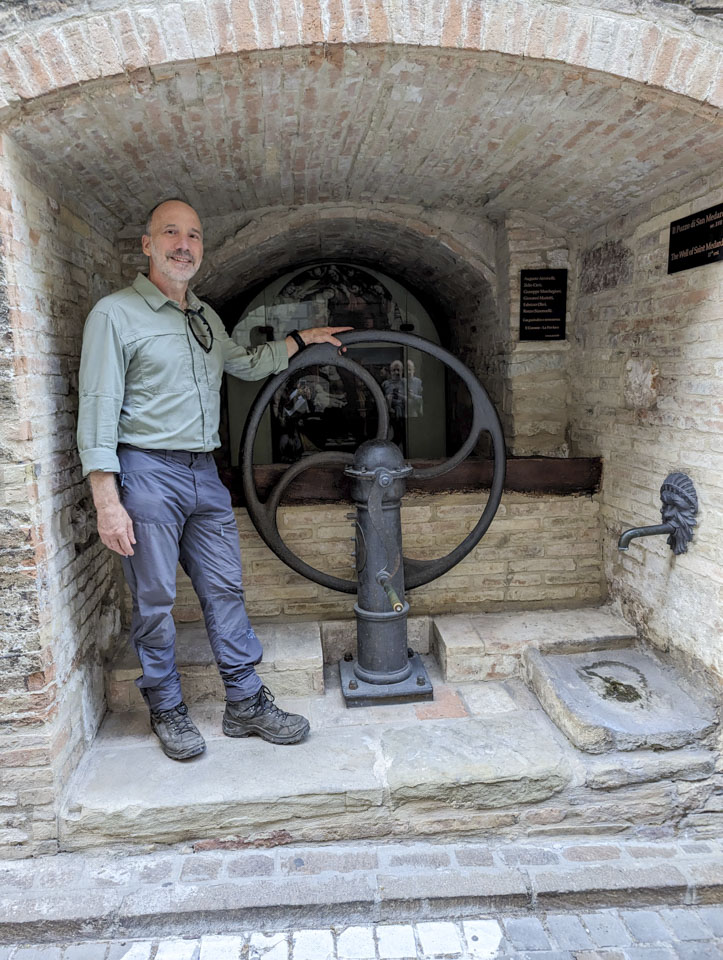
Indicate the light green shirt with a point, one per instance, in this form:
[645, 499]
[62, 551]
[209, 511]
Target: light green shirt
[144, 379]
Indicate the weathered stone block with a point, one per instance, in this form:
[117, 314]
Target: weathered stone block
[613, 771]
[619, 699]
[484, 646]
[495, 762]
[235, 788]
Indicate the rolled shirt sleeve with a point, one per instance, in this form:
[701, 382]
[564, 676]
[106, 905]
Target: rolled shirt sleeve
[255, 363]
[101, 387]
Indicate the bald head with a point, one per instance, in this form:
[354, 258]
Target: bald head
[160, 208]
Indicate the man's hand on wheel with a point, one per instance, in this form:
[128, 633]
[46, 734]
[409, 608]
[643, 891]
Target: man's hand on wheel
[115, 529]
[317, 335]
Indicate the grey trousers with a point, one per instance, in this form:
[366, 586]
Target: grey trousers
[181, 511]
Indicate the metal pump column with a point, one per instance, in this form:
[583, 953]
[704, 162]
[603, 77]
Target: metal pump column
[385, 669]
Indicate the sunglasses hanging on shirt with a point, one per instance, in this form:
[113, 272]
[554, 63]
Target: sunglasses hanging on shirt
[200, 328]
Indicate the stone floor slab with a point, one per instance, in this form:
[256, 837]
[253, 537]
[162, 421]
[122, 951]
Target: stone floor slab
[493, 762]
[238, 786]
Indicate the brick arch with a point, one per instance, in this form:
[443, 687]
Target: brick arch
[657, 47]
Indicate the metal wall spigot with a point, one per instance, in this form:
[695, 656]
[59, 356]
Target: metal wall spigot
[652, 531]
[678, 512]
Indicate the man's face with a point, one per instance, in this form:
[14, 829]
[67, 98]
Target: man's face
[396, 370]
[175, 244]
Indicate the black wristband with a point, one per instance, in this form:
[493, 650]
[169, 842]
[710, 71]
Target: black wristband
[298, 340]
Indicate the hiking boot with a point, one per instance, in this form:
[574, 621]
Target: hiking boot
[258, 715]
[178, 734]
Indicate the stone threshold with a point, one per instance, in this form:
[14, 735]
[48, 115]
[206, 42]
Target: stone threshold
[215, 887]
[483, 758]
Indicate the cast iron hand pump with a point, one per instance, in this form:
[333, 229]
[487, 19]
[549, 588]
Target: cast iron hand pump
[385, 670]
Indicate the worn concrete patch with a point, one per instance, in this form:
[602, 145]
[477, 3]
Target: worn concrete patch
[619, 700]
[474, 763]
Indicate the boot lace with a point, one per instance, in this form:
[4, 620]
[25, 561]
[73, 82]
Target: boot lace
[178, 719]
[265, 704]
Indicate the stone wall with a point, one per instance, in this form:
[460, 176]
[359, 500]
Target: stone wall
[540, 551]
[647, 383]
[59, 601]
[536, 398]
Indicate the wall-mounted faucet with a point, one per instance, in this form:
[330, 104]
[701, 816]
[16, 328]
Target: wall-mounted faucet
[678, 511]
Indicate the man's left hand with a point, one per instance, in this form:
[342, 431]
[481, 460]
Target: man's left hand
[317, 335]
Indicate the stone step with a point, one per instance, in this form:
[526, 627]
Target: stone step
[489, 646]
[293, 665]
[481, 758]
[376, 771]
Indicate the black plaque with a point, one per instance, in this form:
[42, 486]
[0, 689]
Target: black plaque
[696, 239]
[543, 302]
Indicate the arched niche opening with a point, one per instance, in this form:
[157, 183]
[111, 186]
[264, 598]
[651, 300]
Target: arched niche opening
[326, 409]
[433, 281]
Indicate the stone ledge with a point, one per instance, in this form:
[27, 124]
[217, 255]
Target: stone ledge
[293, 665]
[339, 783]
[160, 894]
[489, 646]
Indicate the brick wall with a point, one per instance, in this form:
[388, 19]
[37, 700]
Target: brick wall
[59, 599]
[57, 44]
[647, 384]
[540, 551]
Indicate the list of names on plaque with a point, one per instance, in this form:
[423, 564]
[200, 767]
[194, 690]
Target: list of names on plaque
[543, 304]
[696, 240]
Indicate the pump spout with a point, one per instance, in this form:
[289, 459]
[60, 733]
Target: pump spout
[658, 528]
[678, 512]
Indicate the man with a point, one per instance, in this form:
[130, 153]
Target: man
[415, 395]
[395, 392]
[150, 374]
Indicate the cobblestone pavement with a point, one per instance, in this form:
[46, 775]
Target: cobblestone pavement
[660, 933]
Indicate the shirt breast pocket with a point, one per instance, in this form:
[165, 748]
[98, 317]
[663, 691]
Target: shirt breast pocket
[165, 364]
[214, 367]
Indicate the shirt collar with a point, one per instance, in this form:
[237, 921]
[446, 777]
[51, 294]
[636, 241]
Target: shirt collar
[155, 298]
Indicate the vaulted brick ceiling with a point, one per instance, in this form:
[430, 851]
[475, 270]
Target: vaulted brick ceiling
[482, 133]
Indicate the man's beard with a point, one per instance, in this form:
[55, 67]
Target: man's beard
[164, 263]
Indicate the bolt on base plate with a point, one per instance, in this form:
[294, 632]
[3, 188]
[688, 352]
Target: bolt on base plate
[359, 693]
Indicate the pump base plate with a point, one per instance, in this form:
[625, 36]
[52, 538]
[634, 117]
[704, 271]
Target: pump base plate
[359, 693]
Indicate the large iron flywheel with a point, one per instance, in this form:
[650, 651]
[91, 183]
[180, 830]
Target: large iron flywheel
[484, 420]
